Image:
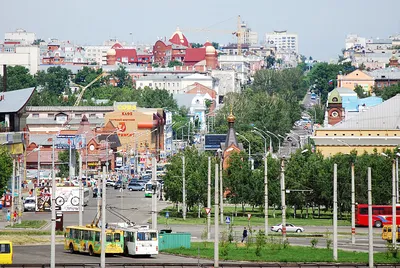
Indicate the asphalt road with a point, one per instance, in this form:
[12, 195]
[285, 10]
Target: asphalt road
[132, 205]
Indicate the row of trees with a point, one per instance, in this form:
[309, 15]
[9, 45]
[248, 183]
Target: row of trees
[308, 175]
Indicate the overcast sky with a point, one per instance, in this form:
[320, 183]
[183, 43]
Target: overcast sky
[322, 25]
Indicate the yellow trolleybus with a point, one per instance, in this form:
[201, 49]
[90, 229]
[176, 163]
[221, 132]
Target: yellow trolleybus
[87, 239]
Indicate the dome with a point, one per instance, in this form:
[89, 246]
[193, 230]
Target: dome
[207, 43]
[178, 38]
[231, 117]
[111, 52]
[210, 50]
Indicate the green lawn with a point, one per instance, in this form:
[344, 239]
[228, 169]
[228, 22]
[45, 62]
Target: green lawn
[27, 232]
[257, 218]
[34, 224]
[275, 252]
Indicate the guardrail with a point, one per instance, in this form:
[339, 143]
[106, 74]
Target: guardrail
[206, 265]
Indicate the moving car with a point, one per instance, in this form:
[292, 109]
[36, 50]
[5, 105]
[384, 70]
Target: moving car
[135, 186]
[110, 183]
[96, 191]
[119, 184]
[289, 228]
[29, 204]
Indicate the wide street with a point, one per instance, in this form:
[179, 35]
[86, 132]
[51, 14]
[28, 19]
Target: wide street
[137, 208]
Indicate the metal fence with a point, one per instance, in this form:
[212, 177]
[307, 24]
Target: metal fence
[205, 265]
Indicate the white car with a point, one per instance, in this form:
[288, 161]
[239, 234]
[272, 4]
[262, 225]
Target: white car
[289, 228]
[30, 204]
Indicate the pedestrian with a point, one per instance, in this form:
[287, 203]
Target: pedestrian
[244, 237]
[8, 216]
[15, 215]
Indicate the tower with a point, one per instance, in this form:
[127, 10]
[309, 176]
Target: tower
[335, 108]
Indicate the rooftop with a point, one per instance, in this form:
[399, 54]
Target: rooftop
[15, 100]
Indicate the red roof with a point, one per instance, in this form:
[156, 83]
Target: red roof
[117, 45]
[195, 54]
[178, 38]
[129, 53]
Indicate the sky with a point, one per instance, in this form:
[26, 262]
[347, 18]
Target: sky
[321, 25]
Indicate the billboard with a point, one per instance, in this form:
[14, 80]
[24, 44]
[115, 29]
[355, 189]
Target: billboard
[67, 198]
[75, 141]
[213, 141]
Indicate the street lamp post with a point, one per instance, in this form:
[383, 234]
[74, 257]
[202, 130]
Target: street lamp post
[283, 199]
[279, 141]
[271, 150]
[53, 210]
[252, 166]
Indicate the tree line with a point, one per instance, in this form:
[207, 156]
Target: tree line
[308, 176]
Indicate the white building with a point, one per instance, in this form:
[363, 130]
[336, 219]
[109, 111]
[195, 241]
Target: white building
[173, 83]
[248, 36]
[354, 41]
[283, 40]
[27, 56]
[20, 35]
[97, 54]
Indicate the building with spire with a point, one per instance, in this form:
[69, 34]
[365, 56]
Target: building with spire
[231, 144]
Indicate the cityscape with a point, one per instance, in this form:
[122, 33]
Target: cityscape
[215, 142]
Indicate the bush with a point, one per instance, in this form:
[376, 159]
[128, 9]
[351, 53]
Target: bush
[314, 242]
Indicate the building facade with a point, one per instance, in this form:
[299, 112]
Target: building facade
[26, 56]
[283, 41]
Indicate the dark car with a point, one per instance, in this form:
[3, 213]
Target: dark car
[119, 184]
[135, 187]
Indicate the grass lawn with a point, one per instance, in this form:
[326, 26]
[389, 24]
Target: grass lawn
[275, 252]
[28, 224]
[27, 232]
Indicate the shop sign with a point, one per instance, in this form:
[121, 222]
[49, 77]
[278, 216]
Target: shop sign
[125, 106]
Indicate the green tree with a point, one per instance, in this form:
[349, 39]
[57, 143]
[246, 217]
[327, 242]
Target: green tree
[360, 92]
[63, 157]
[270, 61]
[18, 77]
[156, 98]
[87, 75]
[55, 80]
[122, 77]
[196, 45]
[6, 167]
[215, 45]
[388, 92]
[174, 63]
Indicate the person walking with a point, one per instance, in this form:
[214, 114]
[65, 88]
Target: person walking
[244, 237]
[8, 216]
[15, 215]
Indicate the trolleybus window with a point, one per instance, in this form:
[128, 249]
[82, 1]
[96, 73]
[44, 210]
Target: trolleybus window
[4, 248]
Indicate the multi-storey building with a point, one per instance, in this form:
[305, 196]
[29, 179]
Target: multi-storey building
[27, 56]
[20, 36]
[247, 36]
[283, 41]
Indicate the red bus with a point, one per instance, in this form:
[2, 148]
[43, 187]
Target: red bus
[381, 215]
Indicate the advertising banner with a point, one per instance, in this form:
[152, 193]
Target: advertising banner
[75, 141]
[43, 199]
[118, 161]
[67, 199]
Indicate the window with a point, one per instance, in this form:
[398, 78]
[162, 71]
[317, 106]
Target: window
[35, 115]
[364, 211]
[50, 115]
[92, 115]
[117, 237]
[5, 248]
[78, 115]
[108, 238]
[97, 237]
[85, 235]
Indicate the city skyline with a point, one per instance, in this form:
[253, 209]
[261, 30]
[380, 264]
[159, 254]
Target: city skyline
[88, 22]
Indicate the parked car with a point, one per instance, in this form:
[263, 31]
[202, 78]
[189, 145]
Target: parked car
[29, 204]
[110, 183]
[135, 187]
[289, 228]
[119, 184]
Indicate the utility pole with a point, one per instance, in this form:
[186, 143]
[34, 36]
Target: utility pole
[80, 191]
[370, 232]
[353, 206]
[103, 221]
[70, 160]
[13, 192]
[216, 222]
[209, 199]
[20, 191]
[183, 189]
[397, 179]
[335, 231]
[154, 195]
[283, 199]
[53, 210]
[266, 194]
[221, 191]
[100, 189]
[394, 226]
[38, 165]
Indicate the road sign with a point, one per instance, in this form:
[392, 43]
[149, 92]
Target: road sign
[208, 210]
[167, 214]
[228, 220]
[248, 216]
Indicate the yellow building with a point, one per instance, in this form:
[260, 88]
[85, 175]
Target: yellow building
[376, 128]
[140, 130]
[356, 78]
